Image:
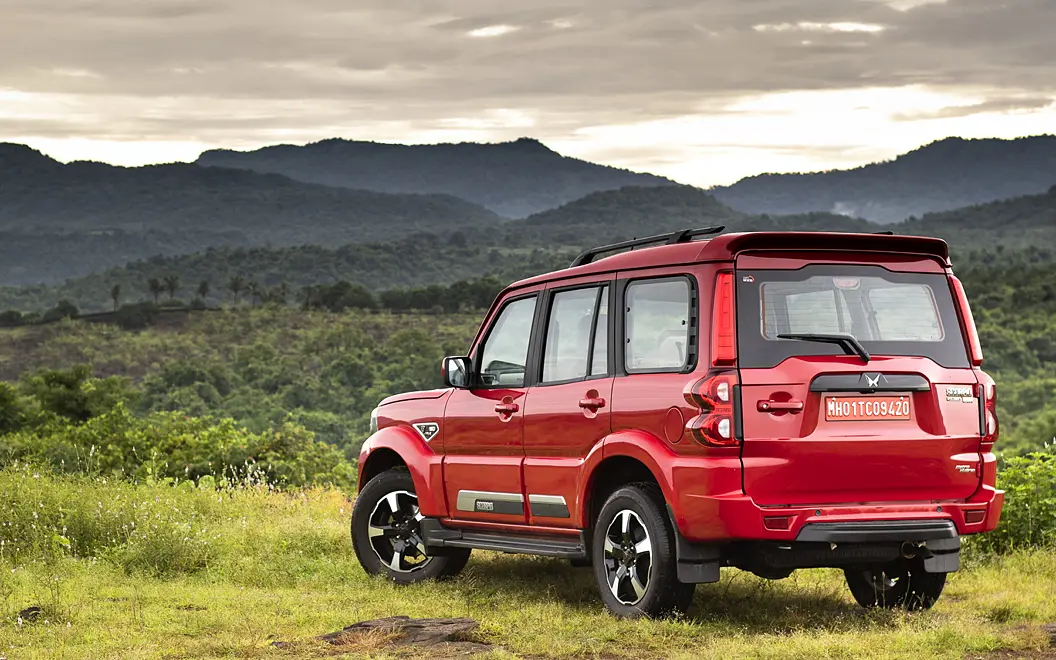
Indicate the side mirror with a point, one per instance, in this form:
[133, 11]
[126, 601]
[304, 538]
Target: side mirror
[455, 372]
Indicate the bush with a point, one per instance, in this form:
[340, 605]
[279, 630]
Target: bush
[1029, 516]
[64, 310]
[137, 316]
[12, 318]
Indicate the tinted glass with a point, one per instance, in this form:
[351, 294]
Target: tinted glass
[657, 325]
[889, 313]
[599, 365]
[505, 350]
[568, 335]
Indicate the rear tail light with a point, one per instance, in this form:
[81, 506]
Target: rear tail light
[988, 411]
[713, 396]
[723, 324]
[974, 347]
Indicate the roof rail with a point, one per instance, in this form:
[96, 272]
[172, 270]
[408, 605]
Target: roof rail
[680, 236]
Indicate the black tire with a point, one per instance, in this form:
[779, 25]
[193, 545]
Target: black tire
[633, 516]
[378, 530]
[903, 583]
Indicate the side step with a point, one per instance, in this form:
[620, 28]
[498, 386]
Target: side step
[436, 535]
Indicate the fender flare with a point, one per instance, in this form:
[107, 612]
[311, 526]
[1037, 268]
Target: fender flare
[647, 449]
[424, 465]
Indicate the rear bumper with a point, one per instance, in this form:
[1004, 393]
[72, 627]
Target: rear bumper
[736, 517]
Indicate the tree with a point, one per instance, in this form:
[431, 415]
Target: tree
[236, 285]
[156, 287]
[115, 295]
[203, 289]
[255, 291]
[172, 285]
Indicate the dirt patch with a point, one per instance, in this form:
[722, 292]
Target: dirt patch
[442, 638]
[1045, 632]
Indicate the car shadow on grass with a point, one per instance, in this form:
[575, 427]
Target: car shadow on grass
[739, 600]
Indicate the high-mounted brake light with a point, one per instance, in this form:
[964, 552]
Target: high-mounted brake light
[713, 396]
[974, 347]
[723, 323]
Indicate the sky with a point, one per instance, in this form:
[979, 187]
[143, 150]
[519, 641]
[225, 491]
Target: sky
[702, 92]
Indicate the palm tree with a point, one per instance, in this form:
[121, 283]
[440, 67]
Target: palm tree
[236, 285]
[203, 289]
[115, 295]
[172, 285]
[155, 286]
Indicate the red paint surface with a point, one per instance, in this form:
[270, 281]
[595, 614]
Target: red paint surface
[792, 462]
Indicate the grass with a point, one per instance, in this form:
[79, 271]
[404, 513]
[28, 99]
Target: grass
[240, 569]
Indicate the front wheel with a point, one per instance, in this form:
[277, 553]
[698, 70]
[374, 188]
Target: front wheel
[634, 555]
[903, 583]
[386, 533]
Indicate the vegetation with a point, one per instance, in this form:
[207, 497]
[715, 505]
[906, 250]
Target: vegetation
[514, 179]
[943, 175]
[149, 570]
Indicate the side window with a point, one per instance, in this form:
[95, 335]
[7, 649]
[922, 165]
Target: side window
[657, 325]
[505, 351]
[568, 335]
[599, 363]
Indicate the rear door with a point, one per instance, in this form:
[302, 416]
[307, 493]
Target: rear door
[824, 427]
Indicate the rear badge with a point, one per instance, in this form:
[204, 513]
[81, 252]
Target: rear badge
[747, 279]
[962, 394]
[427, 430]
[966, 469]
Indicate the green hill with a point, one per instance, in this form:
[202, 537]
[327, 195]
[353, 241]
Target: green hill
[50, 212]
[943, 175]
[514, 179]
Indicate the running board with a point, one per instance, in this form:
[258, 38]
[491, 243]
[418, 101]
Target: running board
[436, 535]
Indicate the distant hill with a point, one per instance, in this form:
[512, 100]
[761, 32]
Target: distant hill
[1028, 221]
[943, 175]
[513, 179]
[66, 220]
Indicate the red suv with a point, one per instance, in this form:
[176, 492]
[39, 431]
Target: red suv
[768, 401]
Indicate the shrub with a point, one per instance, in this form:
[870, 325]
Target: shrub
[1029, 516]
[137, 316]
[64, 310]
[12, 318]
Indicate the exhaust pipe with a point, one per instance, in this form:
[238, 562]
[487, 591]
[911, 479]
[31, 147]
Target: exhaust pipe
[909, 550]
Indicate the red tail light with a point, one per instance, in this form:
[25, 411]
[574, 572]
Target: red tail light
[974, 347]
[723, 323]
[713, 395]
[988, 396]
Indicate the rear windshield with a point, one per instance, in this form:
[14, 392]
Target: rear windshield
[889, 313]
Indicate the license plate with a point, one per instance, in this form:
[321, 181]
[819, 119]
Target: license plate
[865, 408]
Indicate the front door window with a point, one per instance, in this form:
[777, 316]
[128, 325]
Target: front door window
[505, 351]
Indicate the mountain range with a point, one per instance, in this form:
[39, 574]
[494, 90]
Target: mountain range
[943, 175]
[62, 221]
[513, 179]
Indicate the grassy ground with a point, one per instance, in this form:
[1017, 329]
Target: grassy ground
[156, 571]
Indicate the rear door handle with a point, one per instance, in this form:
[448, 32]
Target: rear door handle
[506, 408]
[592, 403]
[793, 406]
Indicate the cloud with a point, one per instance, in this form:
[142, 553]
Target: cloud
[242, 72]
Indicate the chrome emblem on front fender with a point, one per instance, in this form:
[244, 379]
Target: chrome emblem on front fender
[427, 430]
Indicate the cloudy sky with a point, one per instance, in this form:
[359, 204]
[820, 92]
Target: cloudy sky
[703, 92]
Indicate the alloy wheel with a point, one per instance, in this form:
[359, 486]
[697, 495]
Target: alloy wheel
[395, 532]
[628, 557]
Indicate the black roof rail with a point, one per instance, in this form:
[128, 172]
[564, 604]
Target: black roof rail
[680, 236]
[884, 233]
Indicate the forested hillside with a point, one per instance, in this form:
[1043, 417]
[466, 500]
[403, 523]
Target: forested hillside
[50, 212]
[514, 179]
[943, 175]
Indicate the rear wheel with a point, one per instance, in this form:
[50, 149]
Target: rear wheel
[386, 533]
[902, 583]
[634, 555]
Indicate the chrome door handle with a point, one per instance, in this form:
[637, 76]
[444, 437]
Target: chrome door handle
[506, 408]
[592, 403]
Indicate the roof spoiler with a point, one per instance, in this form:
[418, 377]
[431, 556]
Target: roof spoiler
[732, 244]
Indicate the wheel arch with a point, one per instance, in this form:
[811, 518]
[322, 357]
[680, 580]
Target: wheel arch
[627, 457]
[401, 446]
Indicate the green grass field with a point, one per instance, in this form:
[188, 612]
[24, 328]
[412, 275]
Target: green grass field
[157, 571]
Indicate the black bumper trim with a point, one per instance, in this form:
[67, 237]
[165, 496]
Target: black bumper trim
[878, 531]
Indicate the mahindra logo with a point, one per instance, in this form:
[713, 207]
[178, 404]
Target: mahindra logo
[872, 380]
